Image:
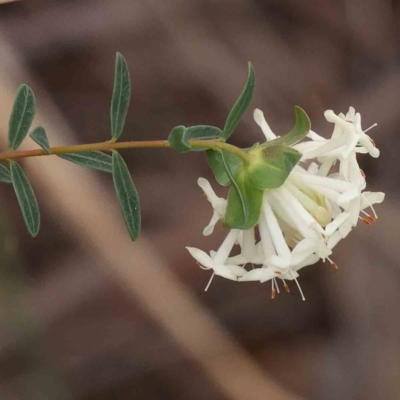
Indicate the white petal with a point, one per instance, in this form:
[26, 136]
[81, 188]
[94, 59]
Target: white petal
[345, 228]
[313, 168]
[355, 173]
[249, 249]
[208, 190]
[287, 212]
[370, 198]
[306, 147]
[305, 246]
[201, 257]
[327, 147]
[323, 251]
[350, 114]
[365, 141]
[262, 123]
[300, 211]
[314, 136]
[266, 239]
[236, 270]
[351, 145]
[303, 250]
[334, 240]
[279, 262]
[336, 223]
[258, 274]
[335, 184]
[354, 209]
[225, 272]
[279, 241]
[345, 169]
[240, 259]
[312, 259]
[332, 117]
[321, 215]
[346, 197]
[326, 166]
[209, 229]
[226, 247]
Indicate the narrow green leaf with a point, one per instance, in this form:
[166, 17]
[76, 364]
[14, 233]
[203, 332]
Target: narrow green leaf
[127, 195]
[241, 104]
[273, 167]
[300, 130]
[180, 136]
[40, 137]
[214, 159]
[26, 199]
[5, 176]
[121, 96]
[244, 203]
[91, 159]
[21, 116]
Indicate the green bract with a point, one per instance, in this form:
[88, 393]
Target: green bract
[40, 137]
[216, 164]
[300, 130]
[241, 104]
[121, 96]
[21, 116]
[179, 137]
[271, 166]
[268, 167]
[244, 203]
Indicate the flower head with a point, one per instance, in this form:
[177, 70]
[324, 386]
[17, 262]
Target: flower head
[301, 220]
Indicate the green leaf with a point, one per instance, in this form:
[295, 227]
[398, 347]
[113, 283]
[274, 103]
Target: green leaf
[26, 199]
[21, 116]
[179, 137]
[300, 130]
[5, 176]
[244, 203]
[214, 159]
[121, 96]
[91, 159]
[241, 104]
[127, 195]
[40, 137]
[272, 166]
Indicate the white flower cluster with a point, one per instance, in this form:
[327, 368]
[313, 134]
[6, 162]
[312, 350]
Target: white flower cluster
[303, 220]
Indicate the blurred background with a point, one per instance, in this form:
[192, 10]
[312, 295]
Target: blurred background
[85, 313]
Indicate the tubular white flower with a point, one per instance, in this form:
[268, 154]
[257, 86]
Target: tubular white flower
[303, 220]
[218, 204]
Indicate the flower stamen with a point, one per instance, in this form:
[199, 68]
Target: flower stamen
[298, 285]
[370, 217]
[276, 285]
[273, 291]
[209, 282]
[370, 206]
[333, 264]
[285, 286]
[366, 221]
[372, 126]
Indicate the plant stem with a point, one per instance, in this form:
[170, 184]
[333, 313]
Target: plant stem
[217, 144]
[214, 144]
